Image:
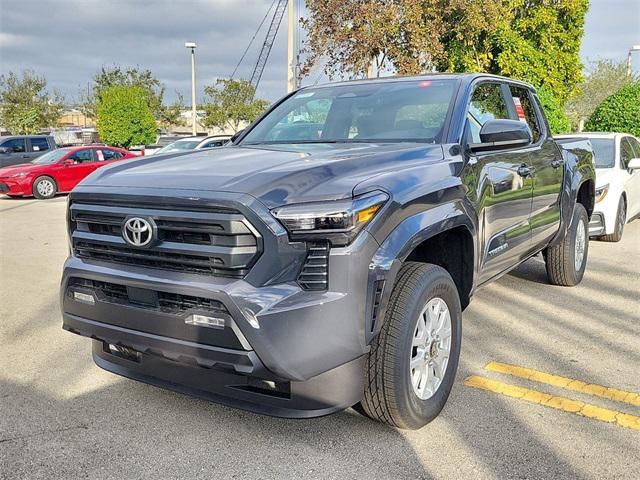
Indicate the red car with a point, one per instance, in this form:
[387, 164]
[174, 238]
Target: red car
[57, 171]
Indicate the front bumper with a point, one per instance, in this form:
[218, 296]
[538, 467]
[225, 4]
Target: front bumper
[284, 351]
[12, 186]
[597, 225]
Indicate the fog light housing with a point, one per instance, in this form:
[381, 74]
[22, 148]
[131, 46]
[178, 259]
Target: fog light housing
[84, 298]
[205, 321]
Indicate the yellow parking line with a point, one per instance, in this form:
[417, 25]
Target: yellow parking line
[559, 403]
[631, 398]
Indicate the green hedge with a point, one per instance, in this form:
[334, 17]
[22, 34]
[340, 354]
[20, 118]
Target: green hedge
[124, 117]
[558, 120]
[619, 112]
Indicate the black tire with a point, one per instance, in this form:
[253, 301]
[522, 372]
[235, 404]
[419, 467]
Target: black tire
[560, 259]
[44, 194]
[621, 220]
[389, 395]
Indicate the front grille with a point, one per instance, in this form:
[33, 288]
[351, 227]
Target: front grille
[173, 303]
[220, 242]
[315, 271]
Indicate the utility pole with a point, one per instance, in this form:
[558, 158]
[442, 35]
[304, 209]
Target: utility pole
[194, 120]
[291, 57]
[635, 48]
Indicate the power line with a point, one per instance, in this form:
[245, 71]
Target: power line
[253, 38]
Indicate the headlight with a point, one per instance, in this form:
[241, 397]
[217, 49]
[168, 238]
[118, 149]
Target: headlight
[601, 192]
[19, 174]
[339, 221]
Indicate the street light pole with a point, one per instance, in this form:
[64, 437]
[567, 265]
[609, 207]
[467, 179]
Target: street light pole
[192, 46]
[635, 48]
[291, 60]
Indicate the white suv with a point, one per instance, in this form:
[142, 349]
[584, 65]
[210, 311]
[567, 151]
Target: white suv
[617, 183]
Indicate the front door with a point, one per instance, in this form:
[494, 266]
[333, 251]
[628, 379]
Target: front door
[71, 174]
[546, 163]
[504, 189]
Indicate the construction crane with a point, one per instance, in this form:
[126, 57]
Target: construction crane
[268, 42]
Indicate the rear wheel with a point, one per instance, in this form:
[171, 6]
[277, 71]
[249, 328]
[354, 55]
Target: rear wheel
[413, 361]
[621, 220]
[44, 188]
[567, 261]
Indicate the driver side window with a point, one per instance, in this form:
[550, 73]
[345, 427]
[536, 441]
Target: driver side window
[81, 156]
[487, 103]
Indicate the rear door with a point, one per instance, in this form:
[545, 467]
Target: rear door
[545, 161]
[14, 152]
[503, 194]
[84, 162]
[38, 146]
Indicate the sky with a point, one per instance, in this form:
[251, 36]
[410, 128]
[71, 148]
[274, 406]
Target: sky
[67, 41]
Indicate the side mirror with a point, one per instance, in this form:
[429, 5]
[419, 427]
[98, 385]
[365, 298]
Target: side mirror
[634, 164]
[500, 134]
[235, 136]
[68, 162]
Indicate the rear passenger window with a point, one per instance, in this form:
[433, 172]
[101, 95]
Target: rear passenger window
[16, 145]
[39, 144]
[525, 110]
[109, 154]
[487, 103]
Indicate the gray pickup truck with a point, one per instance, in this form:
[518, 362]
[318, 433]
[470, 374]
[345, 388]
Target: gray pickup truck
[324, 259]
[16, 149]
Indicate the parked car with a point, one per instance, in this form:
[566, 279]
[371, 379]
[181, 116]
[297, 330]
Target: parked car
[300, 275]
[57, 171]
[617, 183]
[17, 149]
[194, 143]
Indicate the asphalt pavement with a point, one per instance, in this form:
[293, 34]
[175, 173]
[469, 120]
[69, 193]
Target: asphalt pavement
[560, 399]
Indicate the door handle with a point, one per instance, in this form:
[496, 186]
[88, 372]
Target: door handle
[557, 163]
[525, 171]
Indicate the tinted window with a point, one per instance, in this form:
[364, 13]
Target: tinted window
[39, 144]
[15, 145]
[395, 111]
[626, 152]
[108, 154]
[525, 110]
[604, 151]
[487, 103]
[216, 143]
[82, 156]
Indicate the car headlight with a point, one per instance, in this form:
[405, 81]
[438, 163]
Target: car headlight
[339, 221]
[19, 174]
[601, 192]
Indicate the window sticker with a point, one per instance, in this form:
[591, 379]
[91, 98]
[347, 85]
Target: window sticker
[100, 155]
[35, 148]
[519, 110]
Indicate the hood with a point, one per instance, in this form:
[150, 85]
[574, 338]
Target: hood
[276, 175]
[604, 176]
[22, 167]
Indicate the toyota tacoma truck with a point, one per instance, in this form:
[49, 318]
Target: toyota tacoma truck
[323, 260]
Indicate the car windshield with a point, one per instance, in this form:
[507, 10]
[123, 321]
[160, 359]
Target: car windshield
[604, 151]
[50, 157]
[179, 145]
[396, 111]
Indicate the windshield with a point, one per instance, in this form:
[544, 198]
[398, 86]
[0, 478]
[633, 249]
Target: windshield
[402, 111]
[179, 145]
[604, 151]
[50, 157]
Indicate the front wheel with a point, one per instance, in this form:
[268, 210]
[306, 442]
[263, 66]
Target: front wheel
[413, 361]
[44, 188]
[567, 261]
[621, 219]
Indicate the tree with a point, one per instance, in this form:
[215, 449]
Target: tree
[533, 40]
[153, 89]
[231, 104]
[619, 112]
[603, 77]
[124, 116]
[26, 106]
[556, 116]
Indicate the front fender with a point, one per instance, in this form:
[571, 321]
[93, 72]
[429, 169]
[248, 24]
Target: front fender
[399, 244]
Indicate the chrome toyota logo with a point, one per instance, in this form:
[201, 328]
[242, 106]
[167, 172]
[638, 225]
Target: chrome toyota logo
[138, 232]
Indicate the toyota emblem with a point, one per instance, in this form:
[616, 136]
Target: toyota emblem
[138, 232]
